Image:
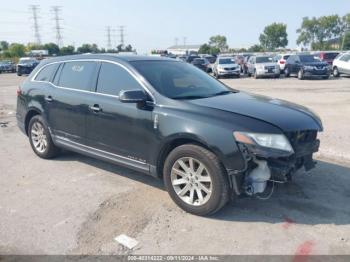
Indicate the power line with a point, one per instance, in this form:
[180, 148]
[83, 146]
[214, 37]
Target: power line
[56, 11]
[35, 10]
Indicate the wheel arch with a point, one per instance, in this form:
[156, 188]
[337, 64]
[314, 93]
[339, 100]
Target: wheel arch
[30, 114]
[178, 140]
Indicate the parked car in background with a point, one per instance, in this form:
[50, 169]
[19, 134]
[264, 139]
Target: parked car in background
[202, 63]
[7, 66]
[341, 64]
[262, 66]
[181, 58]
[210, 58]
[226, 67]
[306, 65]
[26, 65]
[207, 142]
[190, 58]
[327, 57]
[281, 60]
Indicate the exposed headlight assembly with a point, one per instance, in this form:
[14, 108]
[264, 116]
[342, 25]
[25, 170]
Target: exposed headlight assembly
[273, 141]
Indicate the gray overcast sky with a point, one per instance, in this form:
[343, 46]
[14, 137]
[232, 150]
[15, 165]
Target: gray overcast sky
[154, 24]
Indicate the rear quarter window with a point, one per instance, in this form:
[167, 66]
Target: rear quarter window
[46, 73]
[77, 75]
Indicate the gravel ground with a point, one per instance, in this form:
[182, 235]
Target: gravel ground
[77, 205]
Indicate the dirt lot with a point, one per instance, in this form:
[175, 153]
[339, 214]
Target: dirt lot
[75, 204]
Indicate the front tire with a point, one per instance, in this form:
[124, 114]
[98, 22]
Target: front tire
[195, 180]
[40, 138]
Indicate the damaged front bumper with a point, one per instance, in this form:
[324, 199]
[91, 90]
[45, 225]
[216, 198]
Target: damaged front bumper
[281, 165]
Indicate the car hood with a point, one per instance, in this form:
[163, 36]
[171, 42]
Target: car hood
[228, 65]
[285, 115]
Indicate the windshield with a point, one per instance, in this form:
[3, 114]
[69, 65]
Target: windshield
[199, 61]
[179, 80]
[308, 59]
[263, 59]
[225, 61]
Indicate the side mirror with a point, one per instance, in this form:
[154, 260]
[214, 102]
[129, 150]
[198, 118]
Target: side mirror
[132, 96]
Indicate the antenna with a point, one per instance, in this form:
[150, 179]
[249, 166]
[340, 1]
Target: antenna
[56, 11]
[35, 10]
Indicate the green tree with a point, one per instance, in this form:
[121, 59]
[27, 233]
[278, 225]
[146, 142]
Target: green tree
[274, 36]
[204, 49]
[52, 48]
[67, 50]
[256, 48]
[317, 31]
[4, 45]
[88, 48]
[346, 41]
[219, 42]
[16, 50]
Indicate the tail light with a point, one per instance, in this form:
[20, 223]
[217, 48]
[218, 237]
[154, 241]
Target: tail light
[19, 91]
[282, 62]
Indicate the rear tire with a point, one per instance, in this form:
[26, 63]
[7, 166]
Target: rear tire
[40, 138]
[336, 72]
[286, 72]
[193, 167]
[256, 75]
[300, 74]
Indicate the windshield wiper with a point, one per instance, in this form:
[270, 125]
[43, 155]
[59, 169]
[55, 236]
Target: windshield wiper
[188, 97]
[222, 93]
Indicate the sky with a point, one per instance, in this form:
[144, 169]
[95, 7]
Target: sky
[154, 24]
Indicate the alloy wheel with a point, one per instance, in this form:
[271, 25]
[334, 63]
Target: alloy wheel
[191, 181]
[39, 137]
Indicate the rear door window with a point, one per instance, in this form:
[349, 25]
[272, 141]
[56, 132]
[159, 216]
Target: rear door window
[78, 75]
[47, 73]
[113, 78]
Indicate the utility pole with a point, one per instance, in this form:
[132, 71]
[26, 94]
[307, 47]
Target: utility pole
[185, 40]
[176, 41]
[122, 34]
[109, 40]
[35, 10]
[56, 11]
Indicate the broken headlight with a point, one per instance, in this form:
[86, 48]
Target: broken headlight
[273, 141]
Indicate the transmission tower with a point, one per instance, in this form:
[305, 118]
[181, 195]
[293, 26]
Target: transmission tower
[121, 34]
[35, 10]
[184, 40]
[176, 41]
[109, 39]
[56, 10]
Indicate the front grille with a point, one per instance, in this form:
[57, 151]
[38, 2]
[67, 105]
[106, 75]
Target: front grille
[320, 67]
[229, 68]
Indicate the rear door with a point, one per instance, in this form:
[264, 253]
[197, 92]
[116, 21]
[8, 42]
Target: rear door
[69, 101]
[123, 129]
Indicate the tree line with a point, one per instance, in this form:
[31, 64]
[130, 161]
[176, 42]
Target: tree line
[16, 50]
[315, 33]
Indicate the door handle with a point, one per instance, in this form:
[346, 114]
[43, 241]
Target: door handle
[95, 108]
[49, 98]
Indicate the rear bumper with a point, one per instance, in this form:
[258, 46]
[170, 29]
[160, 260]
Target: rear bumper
[21, 124]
